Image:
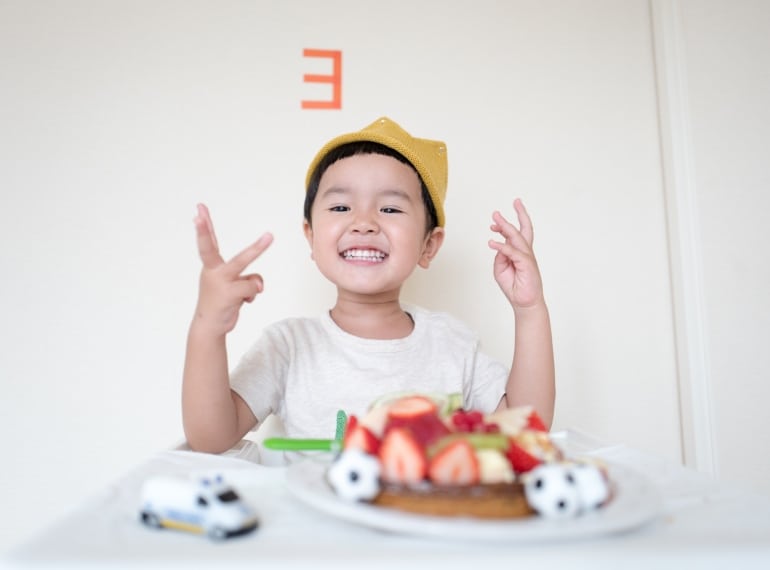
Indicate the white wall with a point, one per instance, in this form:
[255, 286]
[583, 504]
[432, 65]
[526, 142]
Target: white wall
[117, 117]
[726, 58]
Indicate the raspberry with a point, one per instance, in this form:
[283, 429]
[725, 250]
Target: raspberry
[472, 422]
[475, 418]
[460, 421]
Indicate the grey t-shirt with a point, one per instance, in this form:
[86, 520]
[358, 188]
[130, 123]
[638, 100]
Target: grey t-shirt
[306, 369]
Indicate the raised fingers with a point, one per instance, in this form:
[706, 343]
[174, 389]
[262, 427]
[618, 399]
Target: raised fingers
[510, 233]
[249, 286]
[525, 222]
[208, 249]
[241, 261]
[520, 237]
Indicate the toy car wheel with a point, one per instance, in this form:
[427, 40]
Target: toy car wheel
[150, 519]
[218, 533]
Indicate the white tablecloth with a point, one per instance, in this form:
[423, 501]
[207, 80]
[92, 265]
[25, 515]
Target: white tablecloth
[701, 525]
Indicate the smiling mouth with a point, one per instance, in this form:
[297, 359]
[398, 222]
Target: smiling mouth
[370, 255]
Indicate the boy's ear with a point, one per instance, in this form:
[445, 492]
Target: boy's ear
[432, 245]
[308, 231]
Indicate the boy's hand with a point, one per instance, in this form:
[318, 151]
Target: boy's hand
[515, 266]
[223, 288]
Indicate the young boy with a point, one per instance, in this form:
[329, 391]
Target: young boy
[374, 211]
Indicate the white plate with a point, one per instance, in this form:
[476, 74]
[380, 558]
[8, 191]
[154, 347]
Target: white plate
[635, 503]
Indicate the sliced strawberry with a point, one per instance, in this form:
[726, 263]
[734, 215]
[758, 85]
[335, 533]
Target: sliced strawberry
[521, 460]
[456, 464]
[352, 422]
[358, 436]
[350, 426]
[401, 458]
[412, 407]
[535, 422]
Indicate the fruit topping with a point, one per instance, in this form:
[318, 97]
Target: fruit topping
[446, 403]
[514, 420]
[534, 422]
[472, 422]
[412, 407]
[360, 437]
[492, 441]
[494, 467]
[521, 460]
[538, 444]
[426, 428]
[455, 464]
[402, 458]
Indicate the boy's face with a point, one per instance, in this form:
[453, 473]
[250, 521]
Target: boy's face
[368, 230]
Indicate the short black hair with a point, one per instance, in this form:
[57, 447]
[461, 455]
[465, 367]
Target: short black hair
[365, 147]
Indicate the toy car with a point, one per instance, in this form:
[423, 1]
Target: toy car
[205, 507]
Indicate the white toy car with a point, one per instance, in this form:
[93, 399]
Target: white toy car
[206, 507]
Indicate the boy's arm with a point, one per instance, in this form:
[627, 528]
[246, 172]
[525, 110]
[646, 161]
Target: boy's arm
[531, 379]
[214, 417]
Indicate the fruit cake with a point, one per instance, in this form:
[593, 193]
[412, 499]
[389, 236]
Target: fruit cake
[425, 454]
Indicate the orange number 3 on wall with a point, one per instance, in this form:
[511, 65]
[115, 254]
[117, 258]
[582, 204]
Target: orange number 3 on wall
[335, 79]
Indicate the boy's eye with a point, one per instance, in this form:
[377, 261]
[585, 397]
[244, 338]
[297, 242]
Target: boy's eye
[390, 210]
[339, 209]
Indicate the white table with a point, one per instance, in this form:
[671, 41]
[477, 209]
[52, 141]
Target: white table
[702, 525]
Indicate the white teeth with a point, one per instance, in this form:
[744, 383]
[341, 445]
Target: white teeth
[363, 255]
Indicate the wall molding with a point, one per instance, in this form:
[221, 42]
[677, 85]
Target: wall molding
[685, 257]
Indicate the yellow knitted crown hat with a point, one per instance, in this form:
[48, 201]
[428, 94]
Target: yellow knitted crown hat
[428, 157]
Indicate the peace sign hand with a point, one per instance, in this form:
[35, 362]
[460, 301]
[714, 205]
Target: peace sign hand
[515, 266]
[223, 286]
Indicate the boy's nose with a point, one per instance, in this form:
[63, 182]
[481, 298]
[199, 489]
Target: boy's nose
[364, 224]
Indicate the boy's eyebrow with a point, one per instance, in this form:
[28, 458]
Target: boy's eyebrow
[334, 190]
[394, 192]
